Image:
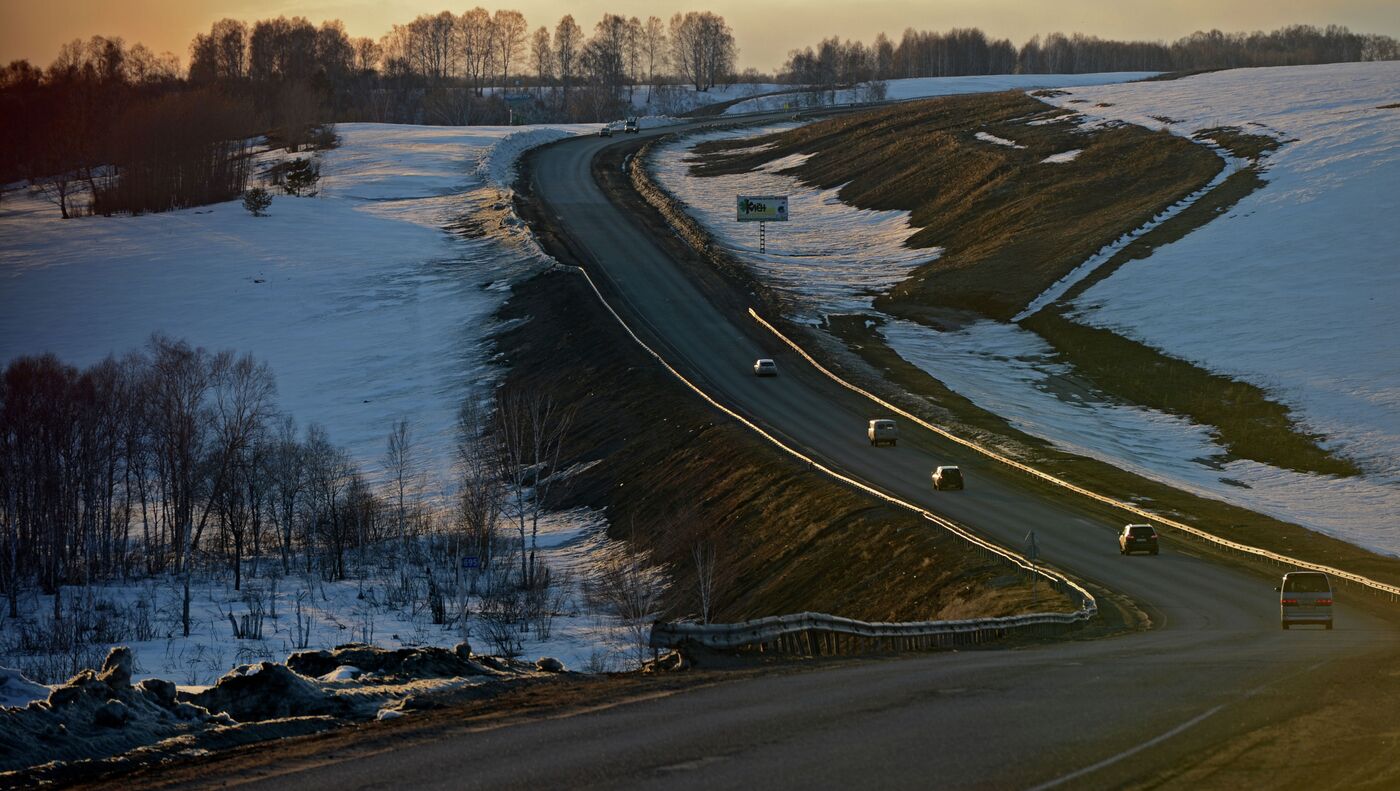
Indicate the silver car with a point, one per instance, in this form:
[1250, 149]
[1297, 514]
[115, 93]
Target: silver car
[1305, 597]
[882, 432]
[765, 367]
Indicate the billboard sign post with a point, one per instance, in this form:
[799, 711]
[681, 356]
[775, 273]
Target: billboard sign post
[762, 209]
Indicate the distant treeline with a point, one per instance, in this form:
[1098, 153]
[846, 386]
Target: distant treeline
[114, 128]
[968, 51]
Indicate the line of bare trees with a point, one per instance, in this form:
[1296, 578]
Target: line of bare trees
[167, 460]
[969, 51]
[174, 460]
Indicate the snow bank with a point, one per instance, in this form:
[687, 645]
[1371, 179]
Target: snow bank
[831, 258]
[497, 164]
[1063, 156]
[925, 87]
[1294, 289]
[16, 691]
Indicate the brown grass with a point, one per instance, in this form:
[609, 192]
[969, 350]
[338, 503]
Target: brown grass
[1010, 224]
[788, 539]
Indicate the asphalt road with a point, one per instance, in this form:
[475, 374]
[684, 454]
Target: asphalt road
[1100, 713]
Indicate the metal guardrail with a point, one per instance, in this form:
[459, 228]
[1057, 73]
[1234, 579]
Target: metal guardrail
[814, 631]
[1379, 587]
[1058, 581]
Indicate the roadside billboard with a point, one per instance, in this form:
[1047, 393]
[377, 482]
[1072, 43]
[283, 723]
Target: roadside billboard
[763, 208]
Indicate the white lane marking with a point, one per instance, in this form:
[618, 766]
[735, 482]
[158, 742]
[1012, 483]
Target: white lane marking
[1129, 752]
[1173, 732]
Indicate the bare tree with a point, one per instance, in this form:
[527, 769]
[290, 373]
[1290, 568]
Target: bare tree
[479, 479]
[632, 54]
[510, 28]
[400, 464]
[476, 45]
[529, 429]
[628, 585]
[542, 56]
[702, 48]
[568, 40]
[702, 554]
[654, 51]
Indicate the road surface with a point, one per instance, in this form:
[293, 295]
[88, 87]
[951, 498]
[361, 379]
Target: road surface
[1082, 713]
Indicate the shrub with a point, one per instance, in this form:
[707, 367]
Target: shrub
[256, 201]
[300, 177]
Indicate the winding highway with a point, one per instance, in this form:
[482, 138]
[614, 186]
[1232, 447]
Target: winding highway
[1081, 713]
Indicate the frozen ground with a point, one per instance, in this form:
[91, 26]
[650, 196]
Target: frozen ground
[367, 310]
[830, 258]
[384, 606]
[923, 87]
[1296, 289]
[1289, 291]
[1013, 373]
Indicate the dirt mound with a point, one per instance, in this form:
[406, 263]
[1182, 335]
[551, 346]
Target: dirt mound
[96, 714]
[267, 691]
[392, 664]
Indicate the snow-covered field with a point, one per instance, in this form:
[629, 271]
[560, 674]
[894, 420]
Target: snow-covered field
[385, 606]
[925, 87]
[368, 312]
[1298, 288]
[831, 257]
[1290, 291]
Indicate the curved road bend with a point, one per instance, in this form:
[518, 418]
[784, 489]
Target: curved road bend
[1090, 713]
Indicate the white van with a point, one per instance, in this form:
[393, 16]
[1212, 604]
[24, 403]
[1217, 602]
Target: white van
[1305, 597]
[882, 432]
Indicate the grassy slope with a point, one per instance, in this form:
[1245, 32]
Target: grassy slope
[788, 539]
[1009, 224]
[896, 379]
[1012, 225]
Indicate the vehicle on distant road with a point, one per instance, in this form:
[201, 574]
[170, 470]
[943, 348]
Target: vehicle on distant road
[1305, 597]
[882, 431]
[947, 477]
[1137, 538]
[765, 367]
[631, 126]
[606, 131]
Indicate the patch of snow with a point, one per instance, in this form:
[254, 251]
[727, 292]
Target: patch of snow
[367, 311]
[1063, 156]
[16, 691]
[342, 673]
[830, 257]
[1293, 289]
[1001, 141]
[388, 714]
[1013, 373]
[364, 307]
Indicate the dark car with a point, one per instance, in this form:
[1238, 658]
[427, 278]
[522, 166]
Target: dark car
[1137, 538]
[947, 477]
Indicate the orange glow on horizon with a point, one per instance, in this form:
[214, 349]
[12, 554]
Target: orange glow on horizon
[765, 31]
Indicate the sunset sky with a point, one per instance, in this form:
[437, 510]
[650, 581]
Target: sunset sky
[765, 29]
